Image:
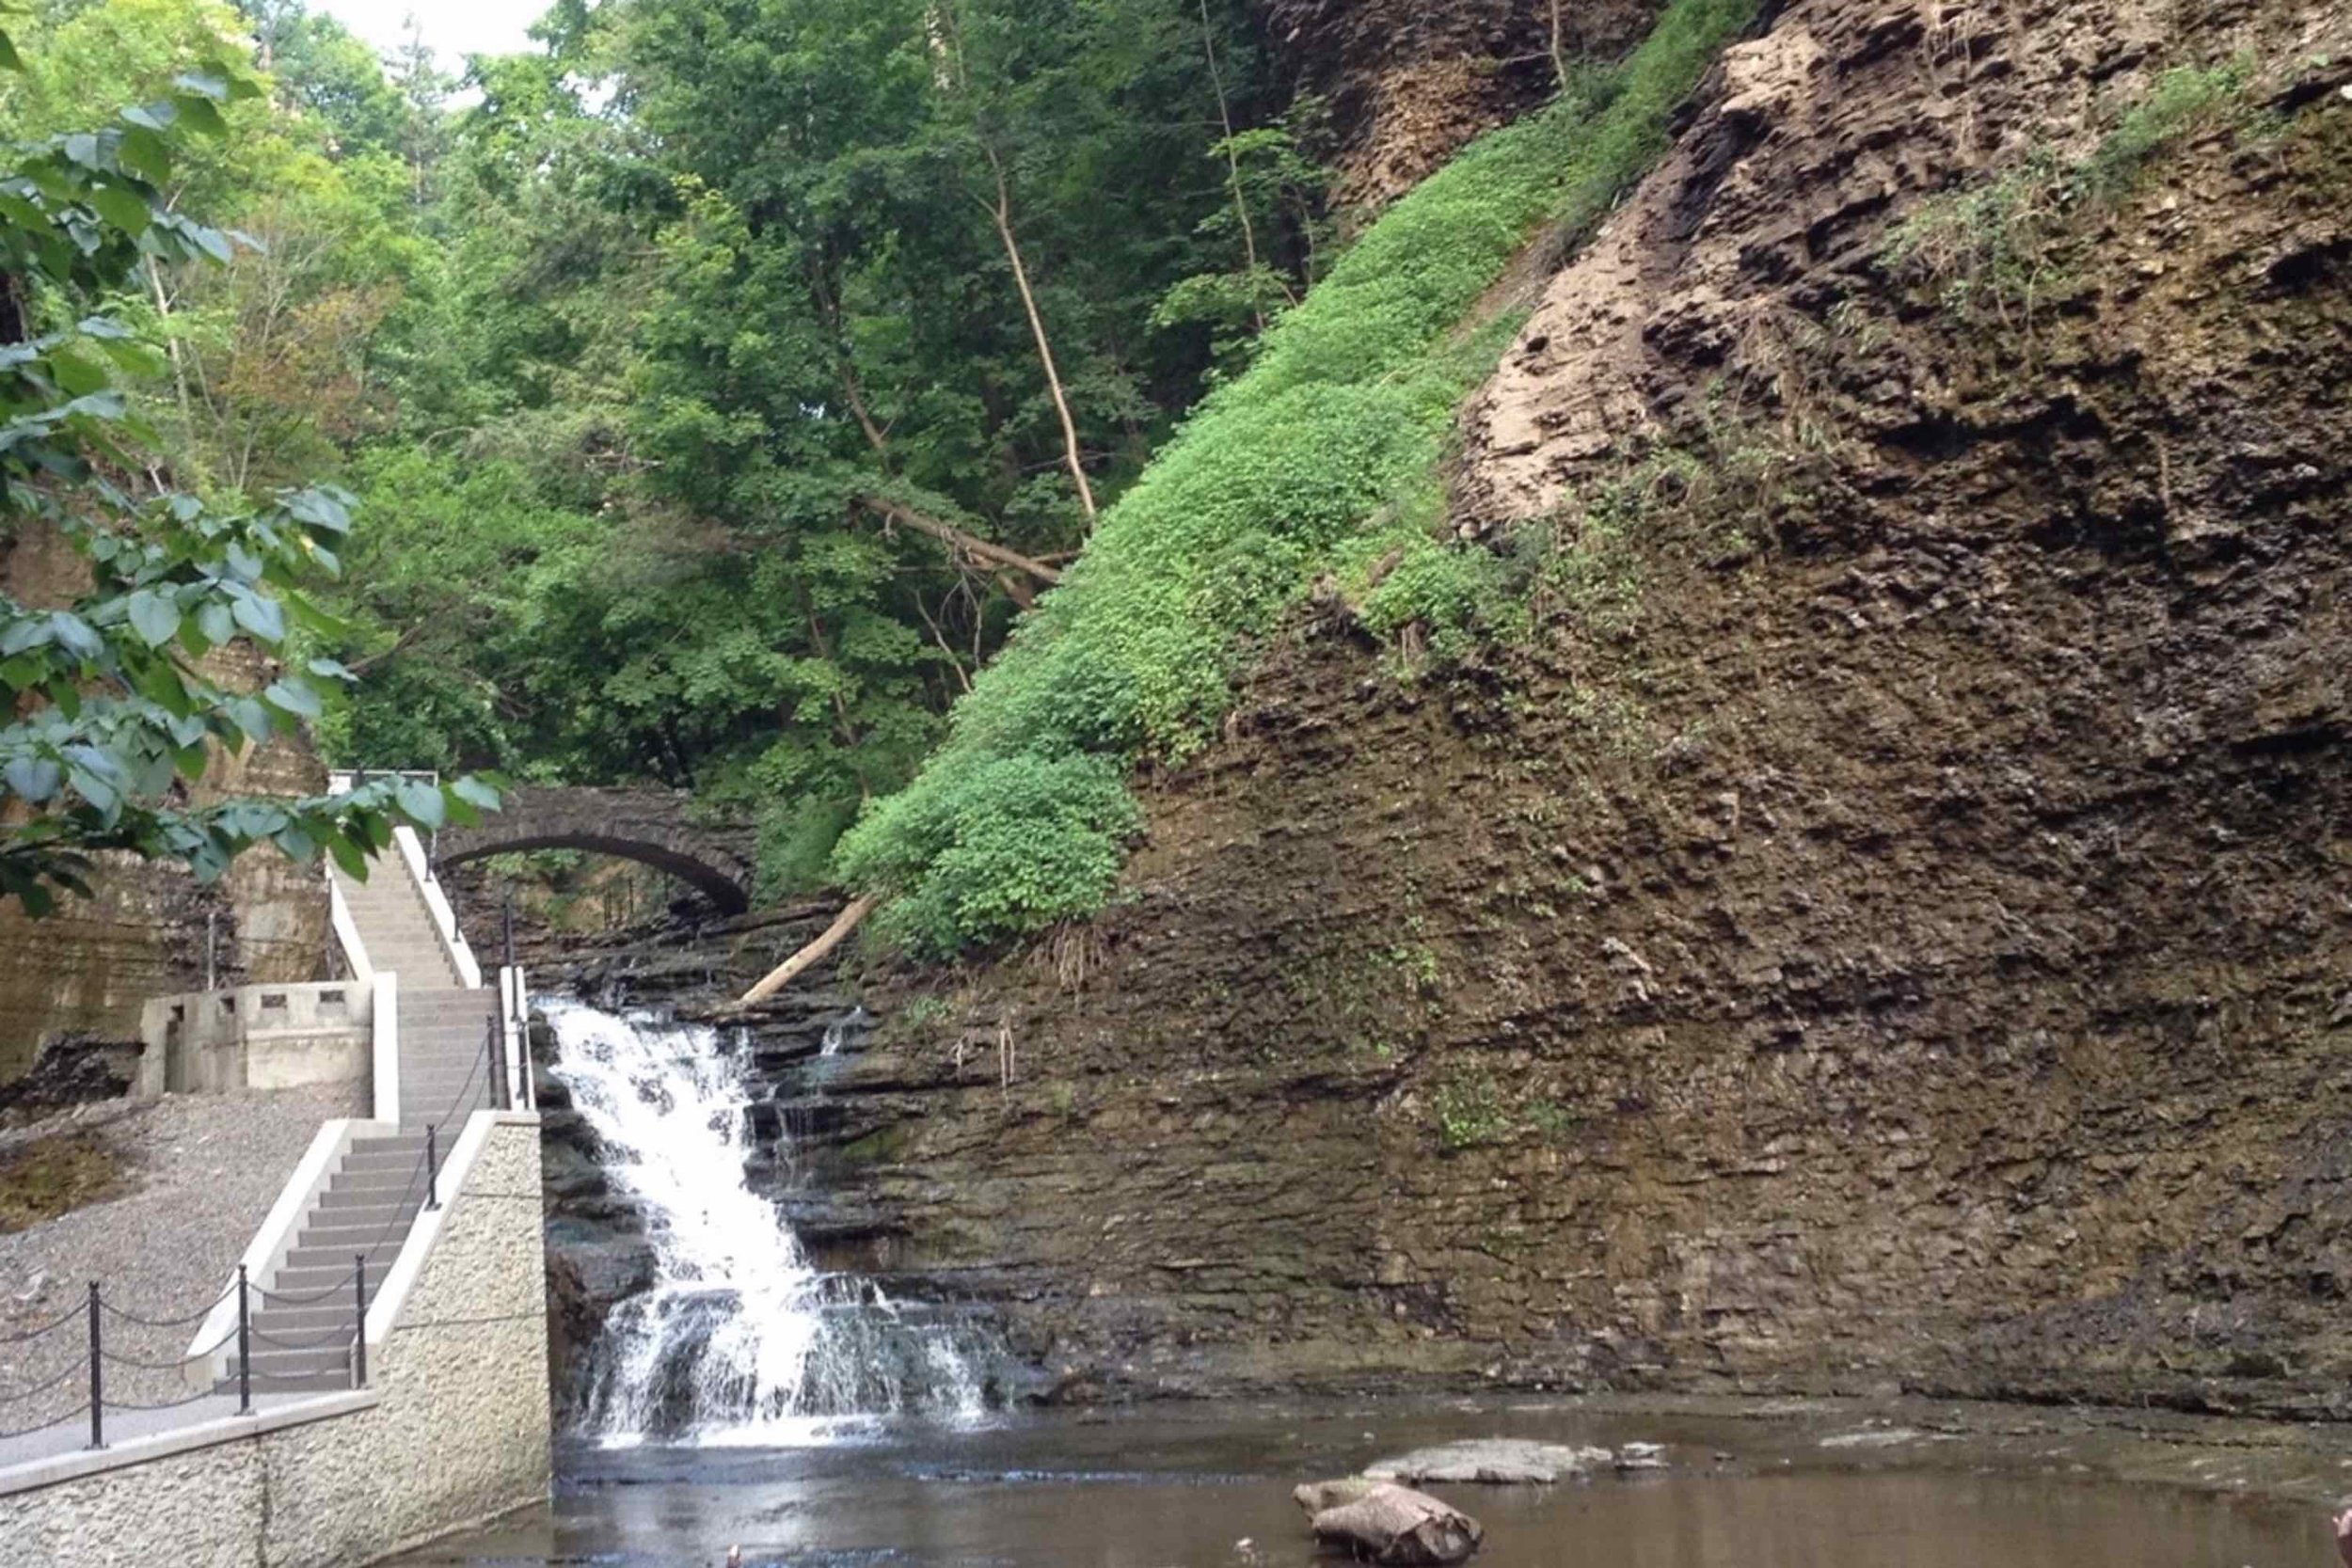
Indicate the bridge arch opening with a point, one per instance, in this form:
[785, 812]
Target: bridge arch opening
[724, 891]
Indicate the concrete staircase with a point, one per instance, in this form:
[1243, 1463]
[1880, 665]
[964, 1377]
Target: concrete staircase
[304, 1325]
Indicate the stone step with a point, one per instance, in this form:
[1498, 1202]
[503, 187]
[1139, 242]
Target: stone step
[374, 1164]
[443, 1105]
[443, 1102]
[329, 1264]
[375, 1215]
[288, 1372]
[406, 1188]
[338, 1239]
[377, 1207]
[391, 949]
[445, 1111]
[284, 1331]
[463, 1002]
[394, 1163]
[310, 1283]
[378, 1244]
[377, 1184]
[319, 1383]
[446, 1067]
[445, 1079]
[301, 1323]
[415, 970]
[407, 1138]
[439, 1048]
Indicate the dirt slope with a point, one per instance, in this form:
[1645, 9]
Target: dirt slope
[1890, 926]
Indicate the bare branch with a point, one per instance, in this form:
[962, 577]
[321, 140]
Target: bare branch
[947, 533]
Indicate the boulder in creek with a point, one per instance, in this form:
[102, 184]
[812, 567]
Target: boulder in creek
[1316, 1496]
[1491, 1462]
[1389, 1523]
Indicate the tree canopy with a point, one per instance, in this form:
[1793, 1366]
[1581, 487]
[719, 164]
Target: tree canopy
[120, 699]
[721, 382]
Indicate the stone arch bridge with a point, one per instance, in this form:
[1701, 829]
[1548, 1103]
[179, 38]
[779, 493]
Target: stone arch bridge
[655, 827]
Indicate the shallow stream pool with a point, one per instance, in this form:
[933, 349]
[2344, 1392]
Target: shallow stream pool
[1203, 1486]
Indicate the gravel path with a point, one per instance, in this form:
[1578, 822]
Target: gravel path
[205, 1169]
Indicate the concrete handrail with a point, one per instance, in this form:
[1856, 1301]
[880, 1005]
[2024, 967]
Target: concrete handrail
[515, 1029]
[401, 1278]
[347, 931]
[384, 1040]
[444, 918]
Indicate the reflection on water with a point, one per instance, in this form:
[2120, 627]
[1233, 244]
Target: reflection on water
[1144, 1491]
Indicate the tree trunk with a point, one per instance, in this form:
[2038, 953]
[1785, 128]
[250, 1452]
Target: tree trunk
[947, 533]
[1002, 214]
[1233, 167]
[781, 976]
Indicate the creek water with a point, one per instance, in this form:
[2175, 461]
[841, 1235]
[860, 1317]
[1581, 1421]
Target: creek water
[749, 1399]
[1210, 1487]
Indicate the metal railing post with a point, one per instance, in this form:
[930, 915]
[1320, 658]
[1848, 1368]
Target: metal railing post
[244, 1347]
[500, 1097]
[432, 1169]
[97, 1388]
[360, 1335]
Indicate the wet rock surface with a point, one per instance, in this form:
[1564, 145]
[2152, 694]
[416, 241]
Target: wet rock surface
[1395, 1525]
[1493, 1462]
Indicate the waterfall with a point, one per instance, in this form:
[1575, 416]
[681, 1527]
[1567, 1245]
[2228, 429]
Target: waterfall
[740, 1340]
[837, 1032]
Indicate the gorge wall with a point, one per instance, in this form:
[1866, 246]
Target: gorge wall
[1408, 85]
[1884, 925]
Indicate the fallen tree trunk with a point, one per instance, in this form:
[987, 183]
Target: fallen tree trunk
[781, 976]
[947, 533]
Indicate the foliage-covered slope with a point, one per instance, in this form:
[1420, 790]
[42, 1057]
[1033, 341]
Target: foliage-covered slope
[1330, 440]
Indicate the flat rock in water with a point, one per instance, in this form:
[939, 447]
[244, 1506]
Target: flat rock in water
[1492, 1462]
[1397, 1526]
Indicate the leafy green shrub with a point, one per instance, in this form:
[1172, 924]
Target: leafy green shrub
[1990, 247]
[1470, 1112]
[796, 839]
[2184, 99]
[1451, 593]
[1003, 845]
[1018, 820]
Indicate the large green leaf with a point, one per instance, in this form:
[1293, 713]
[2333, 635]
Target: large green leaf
[422, 801]
[155, 617]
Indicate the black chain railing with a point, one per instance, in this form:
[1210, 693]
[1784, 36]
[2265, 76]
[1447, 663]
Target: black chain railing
[96, 1310]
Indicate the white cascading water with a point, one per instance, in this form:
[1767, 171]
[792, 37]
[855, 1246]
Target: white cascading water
[740, 1340]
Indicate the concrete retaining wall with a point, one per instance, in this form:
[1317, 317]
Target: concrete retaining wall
[454, 1429]
[255, 1037]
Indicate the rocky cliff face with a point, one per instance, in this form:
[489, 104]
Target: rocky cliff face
[1887, 925]
[1408, 84]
